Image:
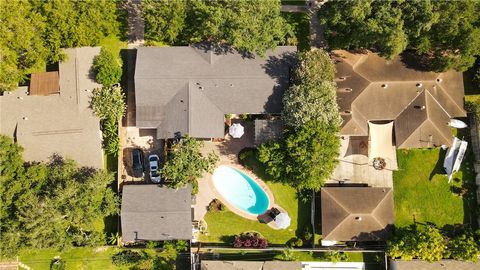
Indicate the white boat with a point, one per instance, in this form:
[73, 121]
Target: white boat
[457, 123]
[454, 157]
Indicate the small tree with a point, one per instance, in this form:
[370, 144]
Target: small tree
[164, 20]
[108, 102]
[305, 159]
[185, 163]
[107, 68]
[314, 65]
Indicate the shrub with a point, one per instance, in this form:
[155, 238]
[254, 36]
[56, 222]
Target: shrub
[126, 257]
[215, 205]
[107, 68]
[307, 234]
[246, 153]
[298, 242]
[250, 239]
[57, 264]
[335, 256]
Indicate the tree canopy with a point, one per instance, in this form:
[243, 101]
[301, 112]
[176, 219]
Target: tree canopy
[305, 158]
[185, 163]
[164, 20]
[33, 33]
[446, 34]
[431, 244]
[51, 205]
[248, 26]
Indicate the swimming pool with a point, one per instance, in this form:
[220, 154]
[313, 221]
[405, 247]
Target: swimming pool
[239, 190]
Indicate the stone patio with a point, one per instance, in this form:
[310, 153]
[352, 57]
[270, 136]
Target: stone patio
[354, 166]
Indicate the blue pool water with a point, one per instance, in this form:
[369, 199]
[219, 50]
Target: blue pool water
[240, 190]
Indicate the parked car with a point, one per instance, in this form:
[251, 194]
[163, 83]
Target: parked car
[137, 163]
[154, 162]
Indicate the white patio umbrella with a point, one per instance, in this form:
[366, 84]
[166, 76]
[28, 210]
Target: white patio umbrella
[282, 220]
[236, 130]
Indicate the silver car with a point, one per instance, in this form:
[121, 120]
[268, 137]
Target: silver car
[154, 162]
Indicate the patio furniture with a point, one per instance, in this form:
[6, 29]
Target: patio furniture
[273, 213]
[282, 220]
[236, 130]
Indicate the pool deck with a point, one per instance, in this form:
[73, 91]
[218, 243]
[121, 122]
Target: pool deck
[228, 153]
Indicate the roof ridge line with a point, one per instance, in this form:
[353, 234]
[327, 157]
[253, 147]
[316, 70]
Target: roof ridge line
[435, 126]
[450, 97]
[408, 105]
[380, 202]
[449, 116]
[348, 212]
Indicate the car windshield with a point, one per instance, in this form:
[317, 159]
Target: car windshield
[153, 158]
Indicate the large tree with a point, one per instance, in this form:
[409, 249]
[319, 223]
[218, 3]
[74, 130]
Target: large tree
[185, 163]
[164, 19]
[249, 26]
[304, 159]
[51, 205]
[421, 242]
[445, 33]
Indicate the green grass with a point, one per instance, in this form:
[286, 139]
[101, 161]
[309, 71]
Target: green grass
[113, 44]
[222, 226]
[75, 258]
[86, 258]
[422, 191]
[301, 28]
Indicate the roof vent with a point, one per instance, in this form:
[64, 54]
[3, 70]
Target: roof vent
[439, 80]
[346, 112]
[419, 85]
[197, 83]
[348, 89]
[419, 107]
[342, 78]
[358, 218]
[181, 100]
[201, 87]
[384, 85]
[231, 85]
[25, 118]
[20, 97]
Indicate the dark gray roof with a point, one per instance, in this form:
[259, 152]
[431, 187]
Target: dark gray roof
[362, 98]
[356, 213]
[267, 130]
[443, 265]
[189, 89]
[151, 212]
[250, 265]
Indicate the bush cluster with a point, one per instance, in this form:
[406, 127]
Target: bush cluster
[107, 67]
[215, 206]
[126, 257]
[250, 240]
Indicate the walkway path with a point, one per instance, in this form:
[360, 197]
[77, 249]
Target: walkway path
[136, 26]
[317, 39]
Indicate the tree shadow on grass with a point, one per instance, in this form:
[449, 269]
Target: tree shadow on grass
[438, 169]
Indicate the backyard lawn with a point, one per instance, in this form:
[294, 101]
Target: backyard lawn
[222, 226]
[301, 28]
[86, 258]
[422, 191]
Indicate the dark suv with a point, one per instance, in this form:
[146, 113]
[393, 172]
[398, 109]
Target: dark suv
[137, 163]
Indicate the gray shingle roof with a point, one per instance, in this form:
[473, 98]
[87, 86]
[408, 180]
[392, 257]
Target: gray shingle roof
[364, 74]
[151, 212]
[189, 89]
[356, 213]
[250, 265]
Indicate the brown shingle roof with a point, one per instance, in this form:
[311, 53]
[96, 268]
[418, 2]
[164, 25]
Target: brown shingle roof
[366, 74]
[356, 213]
[44, 83]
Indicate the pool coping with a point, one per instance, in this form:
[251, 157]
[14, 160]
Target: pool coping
[263, 186]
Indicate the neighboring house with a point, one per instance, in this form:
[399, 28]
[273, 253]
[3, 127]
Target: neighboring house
[154, 213]
[250, 265]
[440, 265]
[356, 214]
[420, 104]
[52, 115]
[190, 89]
